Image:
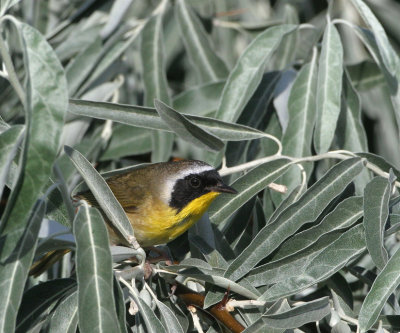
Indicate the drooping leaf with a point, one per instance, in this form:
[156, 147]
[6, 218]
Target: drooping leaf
[104, 196]
[329, 88]
[385, 283]
[186, 129]
[39, 299]
[15, 269]
[65, 317]
[365, 75]
[286, 52]
[388, 54]
[155, 81]
[297, 139]
[80, 67]
[149, 118]
[245, 77]
[206, 63]
[46, 105]
[169, 319]
[96, 309]
[376, 212]
[153, 324]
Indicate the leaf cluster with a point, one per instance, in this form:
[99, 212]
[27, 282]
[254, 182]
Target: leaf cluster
[296, 103]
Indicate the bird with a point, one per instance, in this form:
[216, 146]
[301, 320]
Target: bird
[161, 200]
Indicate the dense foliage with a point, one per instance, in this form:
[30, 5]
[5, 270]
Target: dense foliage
[296, 103]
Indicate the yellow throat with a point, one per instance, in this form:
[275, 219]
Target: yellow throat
[162, 223]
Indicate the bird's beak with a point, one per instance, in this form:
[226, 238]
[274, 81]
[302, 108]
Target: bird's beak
[223, 188]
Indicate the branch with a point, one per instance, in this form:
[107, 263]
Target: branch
[218, 311]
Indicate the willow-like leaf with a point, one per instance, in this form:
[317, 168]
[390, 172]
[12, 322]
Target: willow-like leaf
[104, 196]
[376, 212]
[329, 88]
[385, 283]
[96, 309]
[186, 129]
[246, 76]
[206, 63]
[305, 210]
[46, 105]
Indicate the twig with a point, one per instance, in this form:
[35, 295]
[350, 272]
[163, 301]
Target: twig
[232, 304]
[218, 311]
[195, 317]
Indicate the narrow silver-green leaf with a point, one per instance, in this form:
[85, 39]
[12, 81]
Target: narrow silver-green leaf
[291, 266]
[305, 210]
[80, 67]
[384, 285]
[215, 277]
[329, 88]
[248, 186]
[155, 81]
[186, 129]
[206, 63]
[365, 75]
[47, 100]
[297, 139]
[343, 216]
[286, 52]
[96, 309]
[389, 56]
[9, 143]
[65, 317]
[149, 118]
[350, 134]
[260, 327]
[15, 267]
[245, 77]
[169, 319]
[351, 129]
[46, 106]
[104, 196]
[200, 100]
[326, 263]
[119, 299]
[376, 212]
[39, 299]
[109, 54]
[153, 324]
[127, 141]
[305, 313]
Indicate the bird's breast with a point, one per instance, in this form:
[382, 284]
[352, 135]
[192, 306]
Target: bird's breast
[157, 223]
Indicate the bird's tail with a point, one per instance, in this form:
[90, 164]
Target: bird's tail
[45, 262]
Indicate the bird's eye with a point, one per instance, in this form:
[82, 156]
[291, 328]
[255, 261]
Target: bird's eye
[195, 182]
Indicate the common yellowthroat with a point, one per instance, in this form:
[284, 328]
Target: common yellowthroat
[161, 200]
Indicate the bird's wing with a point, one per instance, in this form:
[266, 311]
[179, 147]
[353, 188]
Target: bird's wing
[129, 196]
